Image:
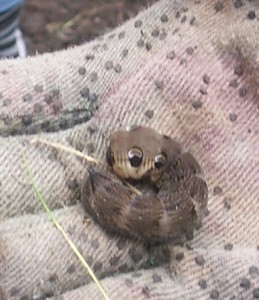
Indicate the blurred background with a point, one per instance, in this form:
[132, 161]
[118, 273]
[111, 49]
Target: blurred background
[52, 25]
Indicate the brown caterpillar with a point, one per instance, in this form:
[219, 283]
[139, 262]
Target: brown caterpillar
[174, 197]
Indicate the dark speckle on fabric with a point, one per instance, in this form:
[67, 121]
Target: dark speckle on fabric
[217, 190]
[92, 129]
[239, 70]
[228, 247]
[95, 243]
[164, 18]
[48, 98]
[254, 271]
[27, 120]
[218, 6]
[159, 84]
[251, 15]
[123, 268]
[206, 79]
[55, 93]
[27, 97]
[89, 57]
[245, 283]
[135, 254]
[146, 291]
[117, 68]
[155, 32]
[202, 284]
[138, 24]
[203, 90]
[108, 65]
[121, 35]
[192, 21]
[38, 88]
[93, 97]
[238, 3]
[57, 106]
[72, 184]
[128, 282]
[13, 292]
[111, 36]
[114, 260]
[93, 77]
[183, 61]
[256, 293]
[7, 102]
[71, 269]
[37, 108]
[171, 55]
[184, 18]
[53, 278]
[162, 35]
[85, 92]
[149, 114]
[242, 91]
[82, 70]
[177, 15]
[199, 259]
[97, 266]
[148, 46]
[125, 52]
[197, 104]
[214, 294]
[140, 43]
[179, 256]
[156, 278]
[8, 121]
[189, 50]
[227, 203]
[232, 117]
[121, 243]
[233, 83]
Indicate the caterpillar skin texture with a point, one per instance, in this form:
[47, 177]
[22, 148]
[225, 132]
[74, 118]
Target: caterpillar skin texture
[173, 201]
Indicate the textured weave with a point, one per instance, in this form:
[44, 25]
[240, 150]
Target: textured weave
[187, 68]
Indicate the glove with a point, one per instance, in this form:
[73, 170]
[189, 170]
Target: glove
[187, 68]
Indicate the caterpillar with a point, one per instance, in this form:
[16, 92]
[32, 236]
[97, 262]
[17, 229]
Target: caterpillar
[174, 193]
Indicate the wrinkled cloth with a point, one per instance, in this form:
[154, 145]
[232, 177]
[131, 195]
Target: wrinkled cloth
[187, 68]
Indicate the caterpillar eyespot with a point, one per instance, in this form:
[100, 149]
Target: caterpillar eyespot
[135, 156]
[160, 161]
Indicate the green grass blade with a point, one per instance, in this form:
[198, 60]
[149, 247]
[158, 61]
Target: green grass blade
[59, 227]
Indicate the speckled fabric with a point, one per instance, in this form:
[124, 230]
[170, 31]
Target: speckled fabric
[187, 68]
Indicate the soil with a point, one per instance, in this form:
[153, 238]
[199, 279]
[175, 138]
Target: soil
[52, 25]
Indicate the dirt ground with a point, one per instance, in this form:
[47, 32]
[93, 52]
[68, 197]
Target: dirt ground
[51, 25]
